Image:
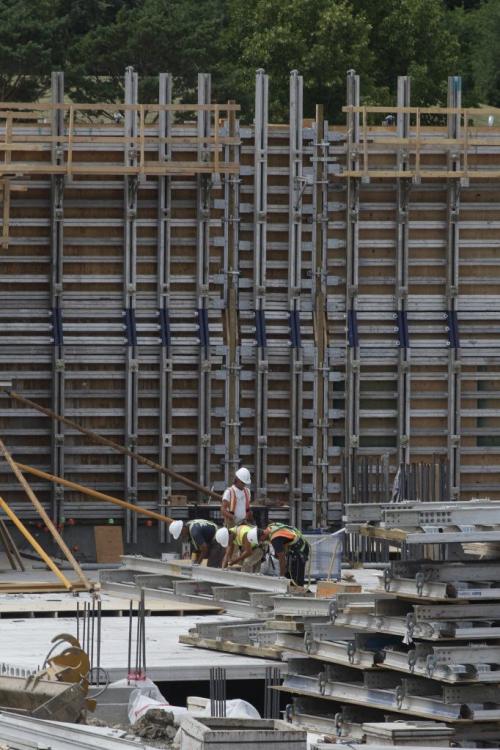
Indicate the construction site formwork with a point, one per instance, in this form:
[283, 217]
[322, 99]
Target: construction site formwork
[289, 297]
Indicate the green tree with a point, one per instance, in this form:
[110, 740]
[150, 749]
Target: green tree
[320, 38]
[176, 36]
[412, 37]
[481, 31]
[30, 47]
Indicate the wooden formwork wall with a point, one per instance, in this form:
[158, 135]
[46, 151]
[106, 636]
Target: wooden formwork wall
[278, 316]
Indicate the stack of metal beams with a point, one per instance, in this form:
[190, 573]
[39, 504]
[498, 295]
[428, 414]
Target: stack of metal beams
[426, 643]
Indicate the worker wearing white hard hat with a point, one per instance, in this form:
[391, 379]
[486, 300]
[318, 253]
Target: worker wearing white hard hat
[244, 549]
[222, 536]
[235, 506]
[201, 535]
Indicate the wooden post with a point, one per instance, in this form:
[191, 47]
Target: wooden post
[96, 438]
[44, 515]
[24, 531]
[93, 493]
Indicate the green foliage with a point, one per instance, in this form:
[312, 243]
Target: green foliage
[29, 47]
[175, 36]
[484, 52]
[93, 41]
[321, 38]
[413, 38]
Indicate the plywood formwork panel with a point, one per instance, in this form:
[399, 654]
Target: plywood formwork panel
[394, 325]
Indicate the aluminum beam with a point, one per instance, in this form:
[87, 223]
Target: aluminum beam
[452, 291]
[229, 577]
[319, 295]
[296, 188]
[130, 195]
[260, 279]
[203, 201]
[57, 297]
[352, 383]
[402, 275]
[164, 254]
[232, 421]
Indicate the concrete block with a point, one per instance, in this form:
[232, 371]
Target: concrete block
[249, 734]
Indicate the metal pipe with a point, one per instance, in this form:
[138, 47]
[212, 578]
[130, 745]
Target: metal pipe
[44, 515]
[129, 664]
[93, 493]
[99, 635]
[96, 438]
[24, 531]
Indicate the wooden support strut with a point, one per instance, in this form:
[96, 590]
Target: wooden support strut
[93, 493]
[44, 516]
[96, 438]
[31, 539]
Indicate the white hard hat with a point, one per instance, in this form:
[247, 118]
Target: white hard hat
[244, 475]
[175, 528]
[222, 536]
[253, 535]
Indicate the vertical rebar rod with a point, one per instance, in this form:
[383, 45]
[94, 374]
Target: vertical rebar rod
[130, 613]
[92, 633]
[99, 635]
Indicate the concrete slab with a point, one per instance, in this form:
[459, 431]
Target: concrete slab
[59, 604]
[25, 642]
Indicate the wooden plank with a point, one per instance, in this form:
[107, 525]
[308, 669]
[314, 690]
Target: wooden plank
[108, 544]
[44, 516]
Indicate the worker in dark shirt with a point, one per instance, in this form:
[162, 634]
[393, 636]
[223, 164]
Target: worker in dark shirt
[291, 549]
[201, 535]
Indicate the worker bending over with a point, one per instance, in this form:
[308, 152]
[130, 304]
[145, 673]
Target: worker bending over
[201, 535]
[244, 548]
[291, 549]
[235, 506]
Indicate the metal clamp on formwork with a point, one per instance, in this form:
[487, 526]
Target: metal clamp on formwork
[452, 329]
[57, 326]
[294, 322]
[165, 332]
[352, 328]
[402, 329]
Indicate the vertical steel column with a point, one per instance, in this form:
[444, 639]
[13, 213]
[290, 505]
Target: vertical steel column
[163, 262]
[260, 259]
[130, 185]
[319, 297]
[402, 251]
[352, 386]
[56, 295]
[452, 289]
[295, 193]
[231, 266]
[203, 197]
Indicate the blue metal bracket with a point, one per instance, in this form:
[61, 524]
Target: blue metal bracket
[453, 332]
[294, 320]
[130, 327]
[203, 329]
[404, 337]
[352, 328]
[57, 326]
[165, 335]
[260, 328]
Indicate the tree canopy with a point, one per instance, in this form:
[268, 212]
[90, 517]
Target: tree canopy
[93, 41]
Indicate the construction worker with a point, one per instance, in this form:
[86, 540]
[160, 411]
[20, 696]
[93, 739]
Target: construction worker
[235, 506]
[244, 548]
[201, 535]
[291, 549]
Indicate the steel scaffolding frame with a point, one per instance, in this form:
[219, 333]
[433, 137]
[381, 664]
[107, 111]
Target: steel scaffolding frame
[273, 313]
